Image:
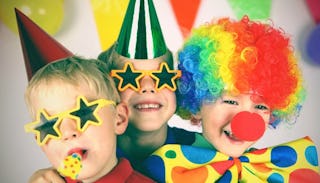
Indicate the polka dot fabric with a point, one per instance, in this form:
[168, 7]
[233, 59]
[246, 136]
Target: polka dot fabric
[71, 166]
[292, 162]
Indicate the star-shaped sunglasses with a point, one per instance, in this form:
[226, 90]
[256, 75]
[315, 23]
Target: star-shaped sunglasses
[85, 113]
[130, 78]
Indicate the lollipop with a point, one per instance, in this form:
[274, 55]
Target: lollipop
[71, 166]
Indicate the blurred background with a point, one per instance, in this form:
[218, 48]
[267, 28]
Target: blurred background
[88, 27]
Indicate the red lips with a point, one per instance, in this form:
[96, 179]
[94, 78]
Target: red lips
[81, 152]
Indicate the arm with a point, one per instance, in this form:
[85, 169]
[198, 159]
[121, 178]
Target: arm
[47, 175]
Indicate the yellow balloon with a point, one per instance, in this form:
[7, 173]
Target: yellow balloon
[47, 14]
[108, 15]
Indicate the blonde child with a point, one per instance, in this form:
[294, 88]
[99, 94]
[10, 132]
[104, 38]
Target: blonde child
[76, 110]
[142, 67]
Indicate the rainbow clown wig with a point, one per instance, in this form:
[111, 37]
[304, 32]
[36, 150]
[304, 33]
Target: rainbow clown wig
[239, 57]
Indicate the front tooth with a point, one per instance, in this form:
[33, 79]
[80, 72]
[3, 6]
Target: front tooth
[146, 106]
[153, 106]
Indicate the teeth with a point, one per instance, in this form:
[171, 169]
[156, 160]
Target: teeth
[228, 133]
[147, 106]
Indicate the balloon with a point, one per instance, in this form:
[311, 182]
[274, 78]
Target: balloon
[256, 10]
[47, 14]
[108, 15]
[313, 46]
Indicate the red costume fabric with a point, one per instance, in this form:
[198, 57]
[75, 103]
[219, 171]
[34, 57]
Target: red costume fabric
[122, 173]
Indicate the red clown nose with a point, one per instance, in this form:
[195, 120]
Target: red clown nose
[248, 126]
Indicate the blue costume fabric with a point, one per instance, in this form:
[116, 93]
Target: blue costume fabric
[174, 136]
[295, 161]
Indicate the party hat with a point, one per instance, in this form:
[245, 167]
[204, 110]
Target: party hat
[38, 47]
[141, 36]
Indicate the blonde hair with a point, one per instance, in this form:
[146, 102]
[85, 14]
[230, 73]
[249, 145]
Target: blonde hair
[75, 71]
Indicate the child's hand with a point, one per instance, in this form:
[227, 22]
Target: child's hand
[47, 175]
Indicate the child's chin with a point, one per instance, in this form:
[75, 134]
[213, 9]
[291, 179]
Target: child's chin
[83, 176]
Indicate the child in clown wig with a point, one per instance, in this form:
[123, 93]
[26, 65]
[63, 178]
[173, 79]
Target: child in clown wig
[238, 77]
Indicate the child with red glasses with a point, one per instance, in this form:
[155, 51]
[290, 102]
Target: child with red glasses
[238, 77]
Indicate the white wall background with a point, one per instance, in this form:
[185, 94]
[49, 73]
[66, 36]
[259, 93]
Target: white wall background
[20, 155]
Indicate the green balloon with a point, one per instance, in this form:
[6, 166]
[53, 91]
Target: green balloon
[254, 9]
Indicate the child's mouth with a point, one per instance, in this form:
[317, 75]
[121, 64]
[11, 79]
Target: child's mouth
[82, 152]
[148, 106]
[230, 135]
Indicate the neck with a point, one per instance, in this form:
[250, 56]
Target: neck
[140, 144]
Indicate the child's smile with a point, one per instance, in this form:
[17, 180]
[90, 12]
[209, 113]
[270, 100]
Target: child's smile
[228, 123]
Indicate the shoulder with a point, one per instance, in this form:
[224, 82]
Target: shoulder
[180, 136]
[124, 172]
[137, 177]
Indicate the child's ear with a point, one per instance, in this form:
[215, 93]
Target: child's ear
[122, 118]
[196, 119]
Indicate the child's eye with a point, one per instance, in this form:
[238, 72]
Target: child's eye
[231, 102]
[261, 107]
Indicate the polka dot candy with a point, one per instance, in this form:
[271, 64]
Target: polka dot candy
[287, 163]
[71, 166]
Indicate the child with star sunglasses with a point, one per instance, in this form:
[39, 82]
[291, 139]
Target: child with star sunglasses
[143, 68]
[148, 87]
[77, 116]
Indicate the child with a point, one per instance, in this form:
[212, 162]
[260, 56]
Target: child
[143, 70]
[238, 77]
[76, 111]
[150, 107]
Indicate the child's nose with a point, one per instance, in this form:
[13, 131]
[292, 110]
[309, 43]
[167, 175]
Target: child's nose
[247, 107]
[248, 126]
[68, 129]
[147, 85]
